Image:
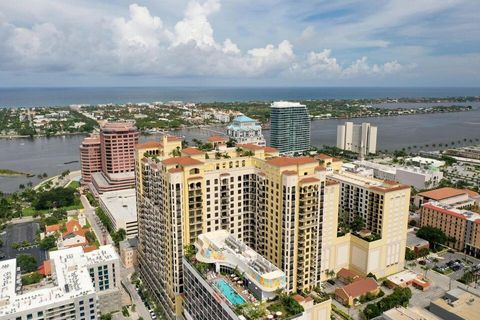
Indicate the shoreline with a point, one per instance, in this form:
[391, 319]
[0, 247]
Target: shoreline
[206, 126]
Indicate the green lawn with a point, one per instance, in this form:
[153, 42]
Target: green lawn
[73, 184]
[30, 211]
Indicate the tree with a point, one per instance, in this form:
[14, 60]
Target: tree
[31, 278]
[357, 223]
[410, 254]
[118, 236]
[26, 262]
[49, 242]
[433, 235]
[107, 316]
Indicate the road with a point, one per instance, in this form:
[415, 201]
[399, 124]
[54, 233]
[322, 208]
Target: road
[102, 235]
[141, 310]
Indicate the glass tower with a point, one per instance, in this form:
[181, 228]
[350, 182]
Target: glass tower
[290, 127]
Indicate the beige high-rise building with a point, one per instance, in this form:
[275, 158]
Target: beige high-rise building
[383, 208]
[359, 138]
[284, 208]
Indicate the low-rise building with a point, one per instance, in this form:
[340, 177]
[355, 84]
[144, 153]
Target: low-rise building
[76, 290]
[401, 313]
[348, 276]
[458, 198]
[407, 278]
[419, 177]
[128, 252]
[415, 243]
[422, 161]
[121, 207]
[456, 304]
[347, 294]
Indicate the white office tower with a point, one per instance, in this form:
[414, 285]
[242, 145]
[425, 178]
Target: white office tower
[359, 138]
[79, 284]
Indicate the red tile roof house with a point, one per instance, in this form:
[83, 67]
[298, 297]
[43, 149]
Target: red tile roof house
[74, 235]
[355, 290]
[347, 276]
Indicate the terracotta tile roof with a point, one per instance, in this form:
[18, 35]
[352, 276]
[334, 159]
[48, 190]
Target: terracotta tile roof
[348, 274]
[250, 146]
[148, 145]
[290, 161]
[289, 172]
[323, 156]
[45, 268]
[87, 249]
[360, 287]
[192, 151]
[331, 182]
[174, 170]
[471, 193]
[52, 228]
[309, 180]
[320, 168]
[298, 298]
[174, 138]
[182, 161]
[217, 139]
[389, 189]
[444, 211]
[336, 160]
[442, 193]
[270, 149]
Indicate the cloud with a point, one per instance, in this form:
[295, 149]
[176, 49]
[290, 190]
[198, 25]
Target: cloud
[141, 43]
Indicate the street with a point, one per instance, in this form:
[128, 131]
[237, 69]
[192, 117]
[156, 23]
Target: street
[102, 235]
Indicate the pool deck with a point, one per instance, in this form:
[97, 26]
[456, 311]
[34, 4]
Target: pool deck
[239, 289]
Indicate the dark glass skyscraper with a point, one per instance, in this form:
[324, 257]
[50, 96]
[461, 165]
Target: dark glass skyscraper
[290, 127]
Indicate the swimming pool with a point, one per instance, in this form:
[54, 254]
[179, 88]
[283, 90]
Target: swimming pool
[229, 293]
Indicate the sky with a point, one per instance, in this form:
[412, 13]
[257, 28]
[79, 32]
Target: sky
[239, 43]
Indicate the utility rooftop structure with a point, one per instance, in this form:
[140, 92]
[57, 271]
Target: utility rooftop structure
[73, 292]
[289, 127]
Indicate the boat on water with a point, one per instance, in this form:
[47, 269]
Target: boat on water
[70, 162]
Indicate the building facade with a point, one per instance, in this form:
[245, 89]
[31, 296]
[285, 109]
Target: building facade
[90, 158]
[383, 208]
[273, 204]
[359, 138]
[246, 130]
[121, 208]
[289, 127]
[462, 227]
[108, 160]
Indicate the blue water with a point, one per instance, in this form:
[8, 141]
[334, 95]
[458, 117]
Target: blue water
[229, 293]
[30, 97]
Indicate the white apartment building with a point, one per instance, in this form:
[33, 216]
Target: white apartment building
[82, 285]
[121, 207]
[420, 178]
[359, 138]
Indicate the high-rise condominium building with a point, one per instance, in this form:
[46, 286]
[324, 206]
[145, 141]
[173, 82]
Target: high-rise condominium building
[108, 160]
[380, 210]
[284, 208]
[81, 286]
[246, 130]
[289, 127]
[359, 138]
[274, 204]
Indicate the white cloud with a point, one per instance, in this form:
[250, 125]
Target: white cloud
[140, 42]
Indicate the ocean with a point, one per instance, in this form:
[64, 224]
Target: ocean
[32, 97]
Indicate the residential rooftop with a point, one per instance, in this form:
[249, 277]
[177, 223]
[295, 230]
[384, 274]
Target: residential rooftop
[459, 213]
[71, 279]
[367, 182]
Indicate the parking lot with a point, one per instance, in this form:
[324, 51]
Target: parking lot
[452, 264]
[16, 233]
